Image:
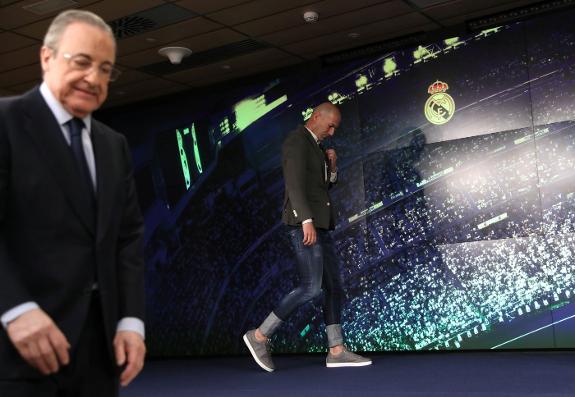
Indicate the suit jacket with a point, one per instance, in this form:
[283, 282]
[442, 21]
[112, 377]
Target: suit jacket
[51, 240]
[306, 189]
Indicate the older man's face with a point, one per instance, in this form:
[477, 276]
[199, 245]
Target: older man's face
[79, 91]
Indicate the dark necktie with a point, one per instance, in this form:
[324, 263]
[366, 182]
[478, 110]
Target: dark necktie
[75, 126]
[325, 160]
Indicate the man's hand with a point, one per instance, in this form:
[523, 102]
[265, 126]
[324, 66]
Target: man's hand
[39, 341]
[130, 350]
[331, 159]
[309, 234]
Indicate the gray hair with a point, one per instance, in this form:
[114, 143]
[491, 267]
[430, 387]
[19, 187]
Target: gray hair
[66, 18]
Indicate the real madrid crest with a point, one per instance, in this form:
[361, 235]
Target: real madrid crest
[440, 106]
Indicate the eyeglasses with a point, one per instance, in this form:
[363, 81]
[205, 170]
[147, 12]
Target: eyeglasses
[84, 63]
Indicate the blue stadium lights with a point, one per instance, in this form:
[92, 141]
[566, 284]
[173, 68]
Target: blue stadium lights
[250, 110]
[423, 53]
[184, 158]
[390, 67]
[196, 150]
[518, 14]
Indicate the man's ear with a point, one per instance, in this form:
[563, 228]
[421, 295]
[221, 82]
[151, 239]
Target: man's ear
[45, 55]
[313, 119]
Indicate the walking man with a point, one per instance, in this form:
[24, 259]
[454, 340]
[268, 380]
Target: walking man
[309, 172]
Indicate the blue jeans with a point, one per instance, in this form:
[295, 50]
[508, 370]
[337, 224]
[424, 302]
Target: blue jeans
[318, 269]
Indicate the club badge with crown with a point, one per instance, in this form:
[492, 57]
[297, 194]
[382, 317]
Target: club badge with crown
[440, 106]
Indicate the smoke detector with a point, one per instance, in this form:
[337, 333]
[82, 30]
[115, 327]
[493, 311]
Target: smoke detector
[175, 54]
[310, 16]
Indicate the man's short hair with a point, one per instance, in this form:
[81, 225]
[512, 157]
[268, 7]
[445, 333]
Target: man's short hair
[66, 18]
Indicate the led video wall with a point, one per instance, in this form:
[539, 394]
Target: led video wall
[455, 201]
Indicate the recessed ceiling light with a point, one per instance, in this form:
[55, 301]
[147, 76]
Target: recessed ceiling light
[310, 16]
[175, 54]
[45, 7]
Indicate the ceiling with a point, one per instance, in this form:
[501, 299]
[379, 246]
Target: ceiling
[229, 38]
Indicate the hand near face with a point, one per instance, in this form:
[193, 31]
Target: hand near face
[39, 341]
[130, 351]
[331, 159]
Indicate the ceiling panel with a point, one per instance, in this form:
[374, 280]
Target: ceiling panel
[294, 17]
[151, 85]
[197, 44]
[11, 41]
[378, 31]
[126, 94]
[107, 9]
[23, 87]
[428, 3]
[114, 9]
[380, 12]
[35, 30]
[192, 27]
[142, 96]
[245, 72]
[461, 18]
[21, 75]
[23, 57]
[7, 2]
[371, 35]
[15, 15]
[130, 76]
[207, 6]
[241, 63]
[255, 9]
[464, 7]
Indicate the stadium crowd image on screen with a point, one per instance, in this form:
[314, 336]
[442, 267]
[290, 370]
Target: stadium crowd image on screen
[455, 201]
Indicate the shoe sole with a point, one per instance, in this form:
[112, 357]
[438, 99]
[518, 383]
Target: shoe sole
[255, 356]
[341, 365]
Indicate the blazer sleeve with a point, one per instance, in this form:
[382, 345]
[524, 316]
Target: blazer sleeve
[12, 290]
[294, 167]
[130, 252]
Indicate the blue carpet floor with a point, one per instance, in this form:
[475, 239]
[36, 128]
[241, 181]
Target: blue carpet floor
[493, 374]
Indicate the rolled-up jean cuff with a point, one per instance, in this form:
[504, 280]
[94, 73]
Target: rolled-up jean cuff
[334, 335]
[270, 324]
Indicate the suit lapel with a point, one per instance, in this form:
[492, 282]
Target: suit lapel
[317, 150]
[45, 132]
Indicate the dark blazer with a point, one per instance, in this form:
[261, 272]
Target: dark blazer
[53, 246]
[306, 189]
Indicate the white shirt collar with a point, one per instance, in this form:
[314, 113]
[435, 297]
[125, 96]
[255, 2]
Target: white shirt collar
[61, 114]
[312, 134]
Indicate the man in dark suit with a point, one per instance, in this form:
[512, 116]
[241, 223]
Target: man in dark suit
[309, 172]
[71, 260]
